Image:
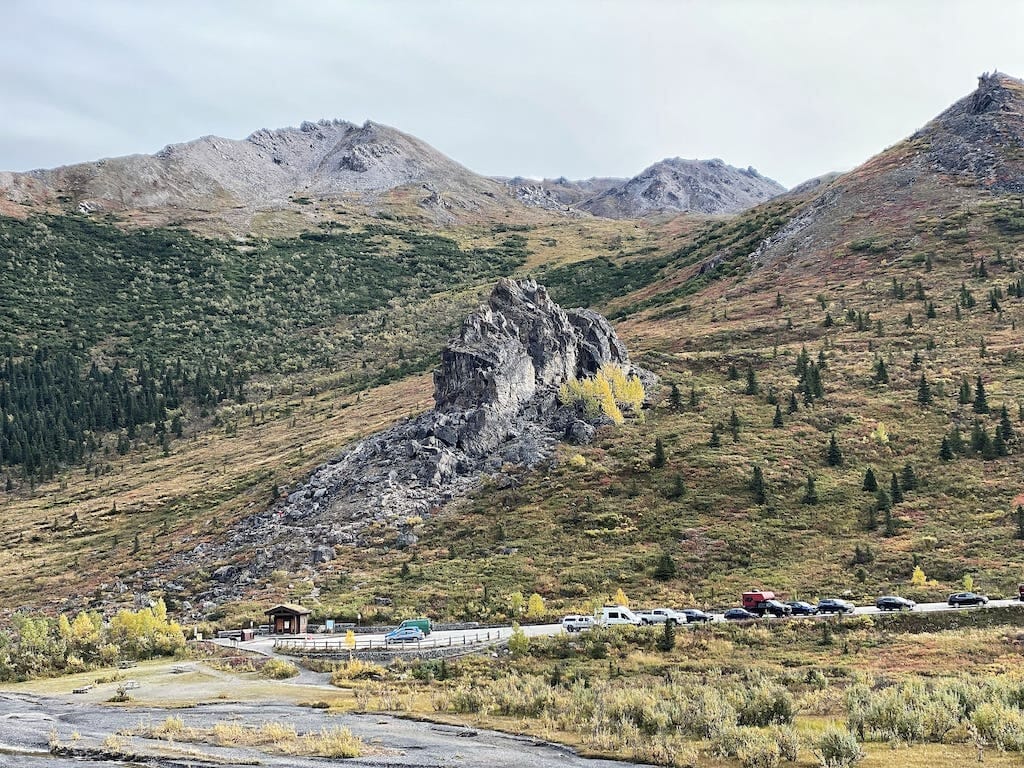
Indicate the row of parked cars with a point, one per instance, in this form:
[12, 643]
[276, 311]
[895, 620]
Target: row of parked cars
[756, 605]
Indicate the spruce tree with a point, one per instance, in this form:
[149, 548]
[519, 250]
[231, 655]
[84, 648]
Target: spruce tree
[895, 492]
[882, 501]
[667, 641]
[752, 387]
[694, 399]
[924, 391]
[757, 486]
[665, 569]
[811, 494]
[881, 372]
[1006, 425]
[658, 460]
[793, 406]
[777, 421]
[980, 400]
[945, 452]
[716, 439]
[734, 425]
[908, 478]
[870, 483]
[890, 523]
[965, 391]
[732, 374]
[999, 447]
[675, 398]
[834, 456]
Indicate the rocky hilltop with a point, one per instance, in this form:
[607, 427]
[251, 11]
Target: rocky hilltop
[971, 152]
[676, 185]
[496, 403]
[325, 159]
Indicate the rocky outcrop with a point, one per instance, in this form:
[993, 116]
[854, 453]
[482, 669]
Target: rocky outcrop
[496, 403]
[675, 185]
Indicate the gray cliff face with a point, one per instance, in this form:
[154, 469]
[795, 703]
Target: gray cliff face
[496, 403]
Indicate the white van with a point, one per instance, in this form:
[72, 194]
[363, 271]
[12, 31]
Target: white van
[617, 614]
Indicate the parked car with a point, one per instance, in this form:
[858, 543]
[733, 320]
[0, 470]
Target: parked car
[800, 608]
[894, 603]
[422, 624]
[612, 615]
[835, 605]
[740, 614]
[573, 623]
[404, 635]
[661, 616]
[693, 615]
[773, 608]
[967, 598]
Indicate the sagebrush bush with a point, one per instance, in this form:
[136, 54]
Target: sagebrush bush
[759, 751]
[838, 748]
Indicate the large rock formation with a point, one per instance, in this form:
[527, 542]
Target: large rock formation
[496, 395]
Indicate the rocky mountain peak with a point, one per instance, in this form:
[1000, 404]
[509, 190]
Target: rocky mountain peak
[676, 185]
[981, 135]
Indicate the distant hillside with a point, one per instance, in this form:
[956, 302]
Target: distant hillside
[271, 168]
[559, 194]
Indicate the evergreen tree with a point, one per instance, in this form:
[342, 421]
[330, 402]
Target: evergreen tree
[678, 489]
[956, 441]
[924, 391]
[758, 487]
[793, 406]
[752, 387]
[895, 492]
[694, 400]
[915, 361]
[834, 456]
[999, 447]
[777, 421]
[930, 310]
[665, 568]
[658, 460]
[945, 452]
[908, 478]
[675, 399]
[732, 373]
[890, 523]
[734, 425]
[1005, 425]
[870, 483]
[716, 439]
[881, 372]
[965, 391]
[980, 400]
[882, 501]
[811, 494]
[667, 640]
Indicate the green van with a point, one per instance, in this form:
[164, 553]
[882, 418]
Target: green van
[423, 624]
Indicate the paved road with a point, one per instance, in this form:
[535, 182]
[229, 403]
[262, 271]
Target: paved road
[457, 637]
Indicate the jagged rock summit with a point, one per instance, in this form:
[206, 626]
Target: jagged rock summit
[676, 185]
[496, 396]
[327, 159]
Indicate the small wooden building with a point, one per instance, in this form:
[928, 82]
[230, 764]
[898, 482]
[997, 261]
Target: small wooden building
[288, 619]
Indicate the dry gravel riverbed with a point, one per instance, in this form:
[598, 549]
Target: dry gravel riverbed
[28, 722]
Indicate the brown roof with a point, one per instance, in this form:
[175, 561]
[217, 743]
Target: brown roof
[287, 608]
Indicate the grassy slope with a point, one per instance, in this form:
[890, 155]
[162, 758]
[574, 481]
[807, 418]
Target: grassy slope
[229, 460]
[577, 535]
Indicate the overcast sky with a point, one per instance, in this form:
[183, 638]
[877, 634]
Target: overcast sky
[795, 88]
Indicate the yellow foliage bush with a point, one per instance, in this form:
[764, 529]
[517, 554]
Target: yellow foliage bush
[607, 393]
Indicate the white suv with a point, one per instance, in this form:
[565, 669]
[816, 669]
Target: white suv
[577, 623]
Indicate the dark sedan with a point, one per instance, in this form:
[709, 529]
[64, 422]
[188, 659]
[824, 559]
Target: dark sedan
[967, 598]
[739, 614]
[694, 615]
[835, 605]
[894, 603]
[800, 608]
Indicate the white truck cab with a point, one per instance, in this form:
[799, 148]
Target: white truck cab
[617, 614]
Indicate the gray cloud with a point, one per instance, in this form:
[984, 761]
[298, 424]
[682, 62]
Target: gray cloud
[536, 87]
